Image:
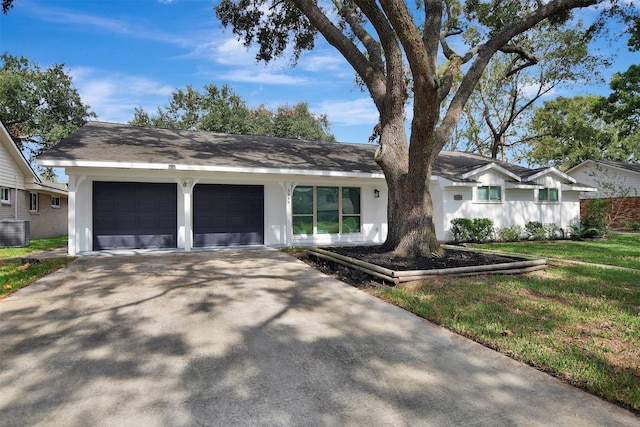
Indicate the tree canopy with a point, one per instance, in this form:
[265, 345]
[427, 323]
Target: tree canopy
[394, 48]
[505, 97]
[222, 110]
[38, 107]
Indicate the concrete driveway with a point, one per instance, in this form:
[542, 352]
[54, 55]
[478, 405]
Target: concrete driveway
[252, 337]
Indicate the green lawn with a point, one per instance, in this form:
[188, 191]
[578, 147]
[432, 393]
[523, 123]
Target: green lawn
[622, 250]
[578, 322]
[15, 275]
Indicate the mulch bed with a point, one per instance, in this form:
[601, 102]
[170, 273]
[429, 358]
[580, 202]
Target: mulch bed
[378, 256]
[452, 258]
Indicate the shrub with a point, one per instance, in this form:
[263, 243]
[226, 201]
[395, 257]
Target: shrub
[595, 218]
[511, 234]
[632, 225]
[553, 231]
[535, 230]
[477, 230]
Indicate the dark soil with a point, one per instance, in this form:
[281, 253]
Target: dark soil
[452, 258]
[378, 256]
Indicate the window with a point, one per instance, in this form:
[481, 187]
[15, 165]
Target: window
[326, 210]
[5, 195]
[33, 202]
[548, 195]
[489, 193]
[55, 202]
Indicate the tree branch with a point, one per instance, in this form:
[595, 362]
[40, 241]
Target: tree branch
[371, 45]
[487, 50]
[372, 77]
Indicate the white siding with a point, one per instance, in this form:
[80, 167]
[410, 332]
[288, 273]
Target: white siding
[9, 170]
[277, 219]
[518, 206]
[592, 175]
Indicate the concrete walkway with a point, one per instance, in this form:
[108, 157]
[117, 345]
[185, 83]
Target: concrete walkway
[252, 337]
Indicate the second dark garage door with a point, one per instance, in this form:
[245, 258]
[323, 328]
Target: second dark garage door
[226, 215]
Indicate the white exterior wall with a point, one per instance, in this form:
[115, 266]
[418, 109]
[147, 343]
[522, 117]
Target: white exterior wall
[277, 209]
[588, 173]
[518, 206]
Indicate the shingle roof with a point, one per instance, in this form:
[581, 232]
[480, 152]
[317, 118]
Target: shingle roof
[110, 142]
[633, 167]
[120, 143]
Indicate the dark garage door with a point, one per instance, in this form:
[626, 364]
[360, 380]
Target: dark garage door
[134, 215]
[226, 215]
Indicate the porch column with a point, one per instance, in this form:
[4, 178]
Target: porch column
[288, 224]
[186, 185]
[73, 244]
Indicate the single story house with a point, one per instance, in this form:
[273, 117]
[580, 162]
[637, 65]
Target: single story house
[617, 181]
[136, 187]
[25, 197]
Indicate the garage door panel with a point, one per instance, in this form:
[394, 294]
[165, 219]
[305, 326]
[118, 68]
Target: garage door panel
[228, 215]
[134, 215]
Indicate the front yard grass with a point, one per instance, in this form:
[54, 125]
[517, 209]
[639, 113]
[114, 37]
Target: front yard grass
[15, 275]
[622, 250]
[580, 323]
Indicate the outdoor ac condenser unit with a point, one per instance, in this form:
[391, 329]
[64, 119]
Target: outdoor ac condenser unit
[14, 233]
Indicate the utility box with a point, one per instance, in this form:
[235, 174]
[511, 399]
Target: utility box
[14, 233]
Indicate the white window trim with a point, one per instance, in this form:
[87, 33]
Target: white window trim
[7, 191]
[58, 205]
[547, 202]
[314, 215]
[489, 202]
[37, 199]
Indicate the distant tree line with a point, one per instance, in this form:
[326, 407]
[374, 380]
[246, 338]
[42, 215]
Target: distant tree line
[222, 110]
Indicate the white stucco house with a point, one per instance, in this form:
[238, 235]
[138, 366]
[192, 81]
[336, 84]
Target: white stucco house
[135, 187]
[25, 197]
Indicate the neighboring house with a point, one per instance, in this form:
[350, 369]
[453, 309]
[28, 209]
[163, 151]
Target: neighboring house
[24, 196]
[136, 187]
[617, 181]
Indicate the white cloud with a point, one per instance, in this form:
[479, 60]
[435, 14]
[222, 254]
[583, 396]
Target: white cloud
[356, 112]
[135, 30]
[323, 62]
[261, 77]
[114, 96]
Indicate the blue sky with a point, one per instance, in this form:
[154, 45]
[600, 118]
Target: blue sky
[124, 54]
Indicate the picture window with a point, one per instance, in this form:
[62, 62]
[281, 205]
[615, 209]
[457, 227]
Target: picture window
[326, 210]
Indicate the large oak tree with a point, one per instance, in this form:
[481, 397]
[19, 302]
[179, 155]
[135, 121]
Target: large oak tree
[381, 40]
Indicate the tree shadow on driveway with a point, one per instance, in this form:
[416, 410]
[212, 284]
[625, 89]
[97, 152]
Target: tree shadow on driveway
[251, 337]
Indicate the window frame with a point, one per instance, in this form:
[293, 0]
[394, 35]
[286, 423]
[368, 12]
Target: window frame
[33, 199]
[315, 213]
[548, 192]
[489, 192]
[5, 195]
[53, 202]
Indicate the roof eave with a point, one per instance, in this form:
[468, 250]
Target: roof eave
[206, 168]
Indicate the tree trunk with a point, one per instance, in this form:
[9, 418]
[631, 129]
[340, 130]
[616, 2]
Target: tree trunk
[411, 231]
[410, 215]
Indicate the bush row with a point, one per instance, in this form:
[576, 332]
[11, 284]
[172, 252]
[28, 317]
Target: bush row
[480, 230]
[594, 223]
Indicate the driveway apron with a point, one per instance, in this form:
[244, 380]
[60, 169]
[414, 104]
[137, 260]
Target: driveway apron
[252, 337]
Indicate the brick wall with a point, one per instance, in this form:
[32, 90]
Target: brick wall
[622, 209]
